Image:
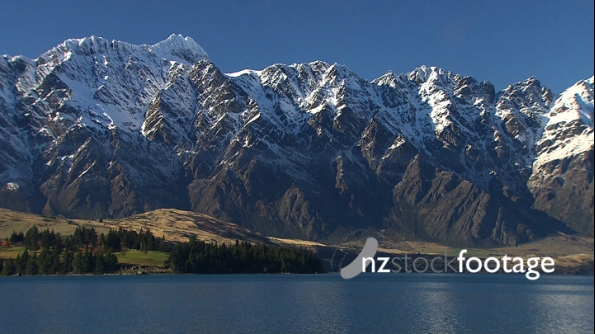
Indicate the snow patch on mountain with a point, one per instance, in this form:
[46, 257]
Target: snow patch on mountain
[574, 104]
[569, 129]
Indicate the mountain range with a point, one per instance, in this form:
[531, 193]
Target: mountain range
[96, 128]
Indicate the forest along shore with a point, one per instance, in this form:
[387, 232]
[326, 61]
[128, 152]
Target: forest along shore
[129, 252]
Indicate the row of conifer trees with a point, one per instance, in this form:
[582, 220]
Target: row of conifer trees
[198, 256]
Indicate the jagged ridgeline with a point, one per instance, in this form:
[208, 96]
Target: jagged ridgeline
[96, 128]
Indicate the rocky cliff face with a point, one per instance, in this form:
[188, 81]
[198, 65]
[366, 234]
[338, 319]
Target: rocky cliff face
[96, 128]
[562, 177]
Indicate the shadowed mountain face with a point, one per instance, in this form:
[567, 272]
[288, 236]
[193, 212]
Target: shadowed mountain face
[96, 128]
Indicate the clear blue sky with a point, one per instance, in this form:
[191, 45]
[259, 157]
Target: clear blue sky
[500, 41]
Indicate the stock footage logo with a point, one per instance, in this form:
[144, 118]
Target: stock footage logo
[439, 264]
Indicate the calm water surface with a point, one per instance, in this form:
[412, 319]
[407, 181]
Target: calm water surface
[391, 303]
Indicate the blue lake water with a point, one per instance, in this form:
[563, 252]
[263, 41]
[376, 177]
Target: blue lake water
[369, 303]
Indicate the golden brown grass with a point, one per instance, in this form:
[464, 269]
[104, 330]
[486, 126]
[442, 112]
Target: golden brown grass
[179, 225]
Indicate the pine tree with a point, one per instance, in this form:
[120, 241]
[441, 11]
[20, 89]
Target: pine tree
[32, 238]
[77, 263]
[55, 266]
[99, 264]
[22, 260]
[31, 268]
[13, 237]
[66, 264]
[112, 262]
[8, 268]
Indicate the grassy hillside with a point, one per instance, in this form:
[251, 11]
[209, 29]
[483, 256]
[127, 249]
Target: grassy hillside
[21, 222]
[178, 225]
[175, 225]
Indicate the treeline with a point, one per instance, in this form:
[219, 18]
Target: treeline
[49, 253]
[241, 257]
[86, 251]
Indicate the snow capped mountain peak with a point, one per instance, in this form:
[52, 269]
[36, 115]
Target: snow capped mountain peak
[528, 96]
[575, 104]
[85, 43]
[184, 47]
[425, 74]
[244, 72]
[89, 45]
[175, 47]
[569, 127]
[340, 69]
[98, 83]
[532, 80]
[530, 88]
[389, 79]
